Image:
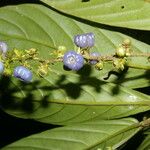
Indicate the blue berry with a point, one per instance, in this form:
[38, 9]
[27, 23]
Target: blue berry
[3, 47]
[94, 54]
[90, 39]
[23, 73]
[1, 67]
[80, 41]
[73, 61]
[84, 40]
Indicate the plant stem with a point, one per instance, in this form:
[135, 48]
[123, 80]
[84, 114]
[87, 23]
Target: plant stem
[100, 58]
[107, 58]
[145, 122]
[137, 66]
[139, 55]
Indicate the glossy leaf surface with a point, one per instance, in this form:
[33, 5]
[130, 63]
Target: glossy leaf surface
[123, 13]
[63, 96]
[89, 135]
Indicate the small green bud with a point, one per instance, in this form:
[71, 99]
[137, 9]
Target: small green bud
[62, 48]
[43, 69]
[26, 64]
[120, 51]
[119, 64]
[127, 46]
[128, 53]
[99, 65]
[7, 72]
[60, 51]
[32, 53]
[42, 72]
[127, 42]
[17, 53]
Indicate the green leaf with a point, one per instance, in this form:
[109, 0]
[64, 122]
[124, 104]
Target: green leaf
[89, 135]
[123, 13]
[65, 97]
[46, 30]
[70, 102]
[146, 143]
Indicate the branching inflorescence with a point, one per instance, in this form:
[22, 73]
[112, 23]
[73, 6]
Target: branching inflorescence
[72, 59]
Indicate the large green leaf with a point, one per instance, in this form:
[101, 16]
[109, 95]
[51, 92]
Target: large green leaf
[46, 30]
[59, 100]
[124, 13]
[90, 135]
[63, 96]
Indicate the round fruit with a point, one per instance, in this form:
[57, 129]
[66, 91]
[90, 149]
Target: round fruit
[120, 51]
[84, 40]
[23, 73]
[1, 67]
[3, 47]
[94, 54]
[73, 61]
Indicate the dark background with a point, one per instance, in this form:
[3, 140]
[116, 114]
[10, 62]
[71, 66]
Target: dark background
[12, 128]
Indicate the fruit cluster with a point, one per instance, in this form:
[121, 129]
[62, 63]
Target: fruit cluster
[73, 60]
[19, 72]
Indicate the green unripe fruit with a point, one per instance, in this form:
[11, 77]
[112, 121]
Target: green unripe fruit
[119, 64]
[60, 51]
[62, 48]
[99, 65]
[120, 51]
[127, 42]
